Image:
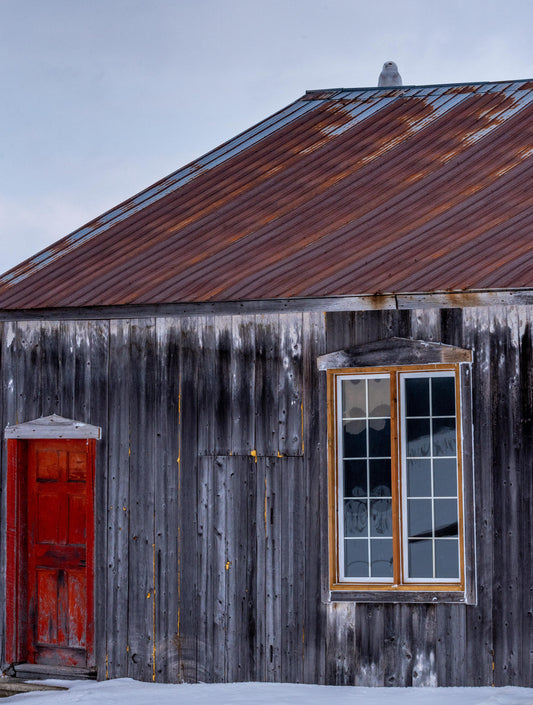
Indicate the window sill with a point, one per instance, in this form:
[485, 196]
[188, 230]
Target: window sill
[402, 596]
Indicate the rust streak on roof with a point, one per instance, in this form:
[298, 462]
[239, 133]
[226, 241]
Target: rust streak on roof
[344, 192]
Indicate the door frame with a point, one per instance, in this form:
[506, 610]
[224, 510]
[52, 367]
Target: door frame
[18, 438]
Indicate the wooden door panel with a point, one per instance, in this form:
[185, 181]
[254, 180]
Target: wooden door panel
[48, 465]
[77, 525]
[77, 594]
[77, 467]
[47, 519]
[47, 627]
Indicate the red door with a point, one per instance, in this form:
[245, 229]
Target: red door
[60, 534]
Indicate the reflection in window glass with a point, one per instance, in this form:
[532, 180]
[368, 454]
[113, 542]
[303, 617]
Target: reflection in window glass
[445, 477]
[378, 398]
[420, 559]
[419, 477]
[443, 396]
[355, 438]
[355, 478]
[417, 396]
[381, 557]
[356, 558]
[353, 398]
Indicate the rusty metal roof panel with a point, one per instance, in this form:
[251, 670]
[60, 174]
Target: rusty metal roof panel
[344, 192]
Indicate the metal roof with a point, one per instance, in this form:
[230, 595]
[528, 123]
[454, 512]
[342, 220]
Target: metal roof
[344, 192]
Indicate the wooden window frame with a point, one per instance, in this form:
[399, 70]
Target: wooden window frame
[430, 359]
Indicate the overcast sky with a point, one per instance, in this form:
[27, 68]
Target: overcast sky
[101, 98]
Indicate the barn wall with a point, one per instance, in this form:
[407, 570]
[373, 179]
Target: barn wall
[211, 496]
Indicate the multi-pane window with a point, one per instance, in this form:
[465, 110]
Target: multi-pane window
[398, 509]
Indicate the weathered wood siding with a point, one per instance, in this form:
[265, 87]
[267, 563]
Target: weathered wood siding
[211, 536]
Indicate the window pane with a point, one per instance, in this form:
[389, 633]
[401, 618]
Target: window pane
[418, 438]
[444, 440]
[355, 517]
[356, 558]
[380, 478]
[353, 398]
[417, 396]
[381, 557]
[446, 558]
[443, 396]
[381, 517]
[446, 517]
[419, 478]
[419, 519]
[354, 439]
[379, 438]
[378, 397]
[355, 484]
[445, 477]
[420, 559]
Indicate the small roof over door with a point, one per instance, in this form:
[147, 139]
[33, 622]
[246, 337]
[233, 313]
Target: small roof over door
[53, 426]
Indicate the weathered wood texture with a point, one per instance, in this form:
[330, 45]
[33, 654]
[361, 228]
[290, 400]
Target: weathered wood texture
[211, 495]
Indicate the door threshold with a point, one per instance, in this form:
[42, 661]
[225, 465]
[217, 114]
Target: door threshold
[11, 686]
[40, 671]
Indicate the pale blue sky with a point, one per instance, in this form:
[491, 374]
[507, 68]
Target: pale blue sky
[100, 98]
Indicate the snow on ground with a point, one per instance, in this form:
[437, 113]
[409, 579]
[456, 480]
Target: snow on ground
[125, 691]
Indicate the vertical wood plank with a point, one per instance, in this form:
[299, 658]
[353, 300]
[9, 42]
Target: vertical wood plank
[259, 486]
[479, 644]
[266, 388]
[238, 651]
[83, 368]
[251, 653]
[142, 385]
[316, 525]
[50, 366]
[424, 673]
[526, 488]
[206, 579]
[274, 521]
[28, 371]
[167, 458]
[290, 393]
[222, 383]
[97, 414]
[340, 330]
[340, 643]
[187, 506]
[242, 385]
[292, 518]
[67, 364]
[118, 507]
[369, 629]
[218, 562]
[425, 324]
[508, 596]
[206, 388]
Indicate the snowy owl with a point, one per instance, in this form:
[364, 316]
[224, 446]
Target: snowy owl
[389, 76]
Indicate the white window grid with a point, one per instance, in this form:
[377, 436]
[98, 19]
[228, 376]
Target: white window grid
[403, 440]
[341, 484]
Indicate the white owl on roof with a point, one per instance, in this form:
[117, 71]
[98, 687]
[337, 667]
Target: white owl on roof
[389, 76]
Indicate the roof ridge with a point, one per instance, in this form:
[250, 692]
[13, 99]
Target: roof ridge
[385, 89]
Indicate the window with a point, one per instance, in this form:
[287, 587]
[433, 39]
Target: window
[398, 528]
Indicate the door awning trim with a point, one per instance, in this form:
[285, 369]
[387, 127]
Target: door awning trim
[53, 426]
